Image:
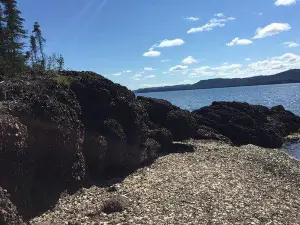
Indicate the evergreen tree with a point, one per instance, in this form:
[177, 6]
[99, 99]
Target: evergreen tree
[14, 34]
[2, 42]
[33, 51]
[41, 42]
[60, 62]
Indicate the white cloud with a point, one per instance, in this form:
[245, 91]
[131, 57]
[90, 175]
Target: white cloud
[248, 59]
[165, 60]
[291, 44]
[238, 41]
[169, 43]
[219, 15]
[152, 53]
[137, 77]
[189, 60]
[156, 85]
[220, 21]
[178, 68]
[285, 2]
[149, 76]
[265, 67]
[126, 71]
[148, 68]
[140, 76]
[260, 14]
[193, 19]
[117, 74]
[271, 29]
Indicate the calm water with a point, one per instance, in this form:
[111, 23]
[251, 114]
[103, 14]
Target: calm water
[287, 95]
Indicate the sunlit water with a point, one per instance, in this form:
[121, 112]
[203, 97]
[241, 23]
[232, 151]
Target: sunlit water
[287, 95]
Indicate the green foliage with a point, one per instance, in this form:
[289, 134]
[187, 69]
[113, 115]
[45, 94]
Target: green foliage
[12, 34]
[13, 57]
[64, 81]
[55, 62]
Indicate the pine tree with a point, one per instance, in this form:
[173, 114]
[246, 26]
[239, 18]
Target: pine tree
[60, 62]
[14, 35]
[41, 42]
[33, 51]
[2, 45]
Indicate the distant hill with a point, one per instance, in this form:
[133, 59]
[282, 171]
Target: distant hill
[290, 76]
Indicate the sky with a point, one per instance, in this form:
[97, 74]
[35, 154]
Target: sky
[147, 43]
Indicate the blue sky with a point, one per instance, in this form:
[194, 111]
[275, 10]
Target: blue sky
[144, 43]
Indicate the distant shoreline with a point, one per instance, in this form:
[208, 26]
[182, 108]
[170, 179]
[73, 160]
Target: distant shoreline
[287, 77]
[214, 88]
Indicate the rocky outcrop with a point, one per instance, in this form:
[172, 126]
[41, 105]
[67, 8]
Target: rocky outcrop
[243, 123]
[61, 131]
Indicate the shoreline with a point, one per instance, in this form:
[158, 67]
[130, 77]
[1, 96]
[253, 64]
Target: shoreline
[218, 183]
[61, 132]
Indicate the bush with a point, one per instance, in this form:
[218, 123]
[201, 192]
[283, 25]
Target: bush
[64, 81]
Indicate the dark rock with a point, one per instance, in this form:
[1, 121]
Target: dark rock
[157, 109]
[8, 212]
[182, 124]
[249, 124]
[94, 151]
[164, 137]
[181, 148]
[207, 133]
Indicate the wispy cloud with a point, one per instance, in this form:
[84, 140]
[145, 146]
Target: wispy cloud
[193, 19]
[271, 29]
[219, 15]
[265, 67]
[169, 43]
[189, 60]
[148, 68]
[219, 21]
[117, 74]
[291, 44]
[178, 68]
[164, 60]
[248, 59]
[152, 53]
[238, 41]
[285, 2]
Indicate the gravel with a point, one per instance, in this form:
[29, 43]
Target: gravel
[216, 184]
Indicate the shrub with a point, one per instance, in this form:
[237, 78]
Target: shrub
[64, 81]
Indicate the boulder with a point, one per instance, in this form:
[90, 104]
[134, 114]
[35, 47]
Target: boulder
[94, 151]
[164, 137]
[157, 109]
[243, 123]
[182, 124]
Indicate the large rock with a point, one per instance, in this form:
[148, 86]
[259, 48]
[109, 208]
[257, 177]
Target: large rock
[157, 109]
[182, 124]
[8, 212]
[244, 123]
[52, 160]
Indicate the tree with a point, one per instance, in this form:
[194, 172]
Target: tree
[33, 51]
[14, 34]
[60, 62]
[41, 42]
[55, 62]
[2, 42]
